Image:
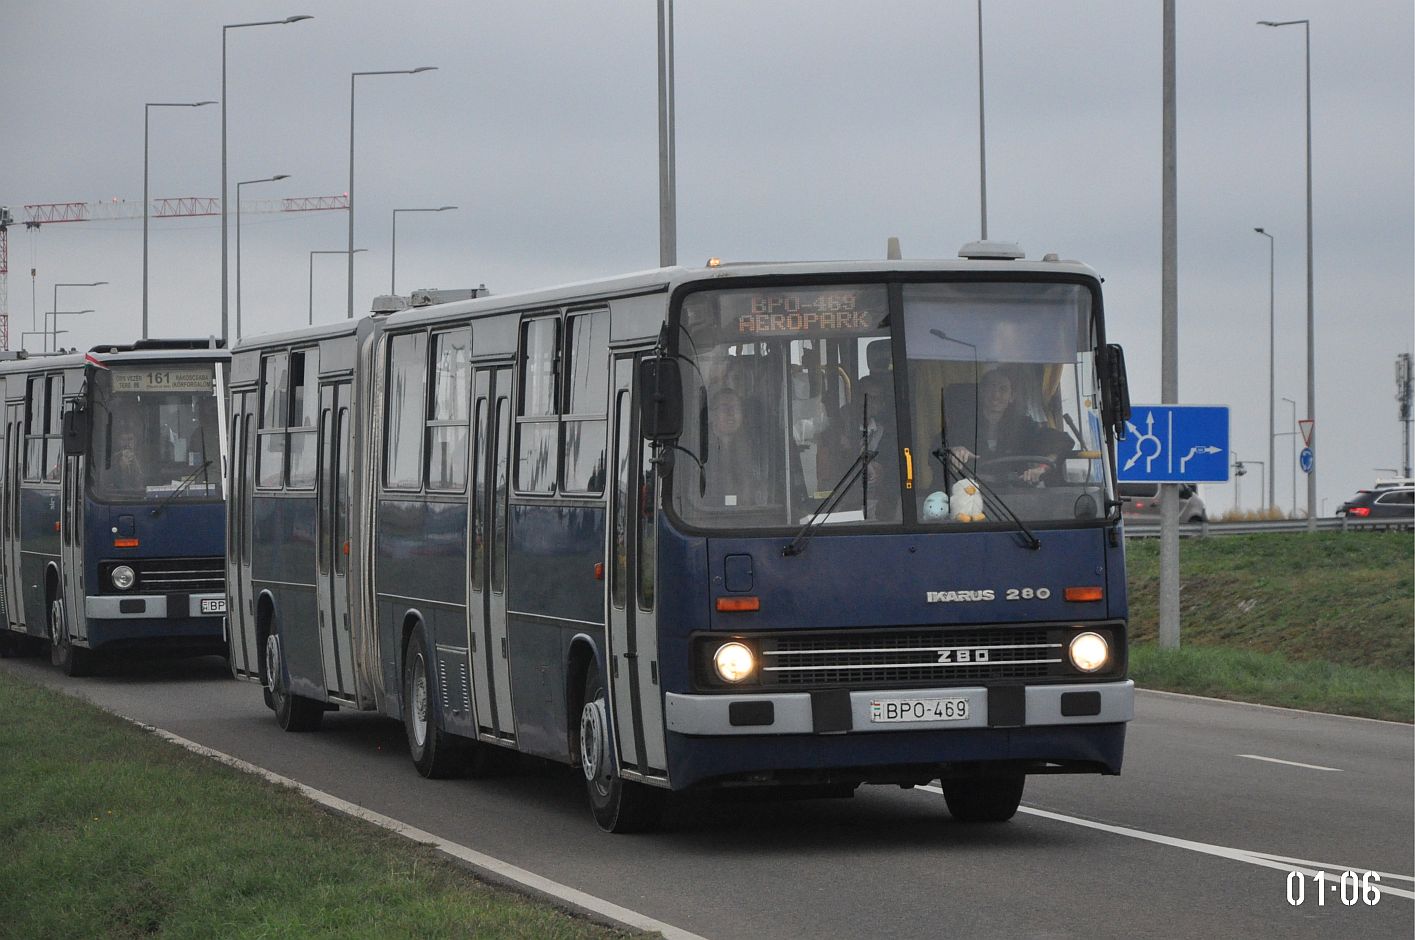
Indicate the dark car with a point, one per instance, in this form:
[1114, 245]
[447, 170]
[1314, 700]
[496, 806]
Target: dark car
[1383, 502]
[1141, 502]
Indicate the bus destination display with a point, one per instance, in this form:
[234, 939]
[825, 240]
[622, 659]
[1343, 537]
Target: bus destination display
[186, 379]
[805, 313]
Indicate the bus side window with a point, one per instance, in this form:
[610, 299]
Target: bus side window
[274, 390]
[498, 494]
[587, 378]
[538, 421]
[402, 449]
[304, 418]
[447, 416]
[34, 428]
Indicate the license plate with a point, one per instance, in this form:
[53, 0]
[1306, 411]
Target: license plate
[919, 709]
[213, 605]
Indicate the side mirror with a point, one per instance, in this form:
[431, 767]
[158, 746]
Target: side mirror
[1115, 387]
[660, 399]
[75, 432]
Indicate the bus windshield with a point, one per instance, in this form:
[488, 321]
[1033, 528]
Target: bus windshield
[973, 401]
[154, 433]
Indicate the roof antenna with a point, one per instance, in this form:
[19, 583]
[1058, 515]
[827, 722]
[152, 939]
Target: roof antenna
[891, 251]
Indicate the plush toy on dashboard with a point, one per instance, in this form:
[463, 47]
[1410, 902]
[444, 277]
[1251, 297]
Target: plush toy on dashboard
[936, 506]
[967, 502]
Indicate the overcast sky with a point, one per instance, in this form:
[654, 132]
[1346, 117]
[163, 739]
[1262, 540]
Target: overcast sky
[807, 129]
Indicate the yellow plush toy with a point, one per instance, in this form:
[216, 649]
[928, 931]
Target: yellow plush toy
[966, 502]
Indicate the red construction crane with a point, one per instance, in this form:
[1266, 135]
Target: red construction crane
[42, 213]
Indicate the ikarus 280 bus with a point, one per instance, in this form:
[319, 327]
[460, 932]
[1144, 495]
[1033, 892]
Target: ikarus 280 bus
[111, 501]
[805, 526]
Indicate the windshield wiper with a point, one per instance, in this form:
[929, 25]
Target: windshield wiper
[827, 505]
[961, 468]
[186, 482]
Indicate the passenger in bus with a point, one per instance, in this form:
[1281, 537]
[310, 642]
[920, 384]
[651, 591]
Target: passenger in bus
[1003, 431]
[730, 477]
[128, 471]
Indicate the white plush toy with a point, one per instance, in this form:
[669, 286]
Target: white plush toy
[967, 502]
[935, 506]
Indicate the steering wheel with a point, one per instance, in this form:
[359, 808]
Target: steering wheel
[1012, 467]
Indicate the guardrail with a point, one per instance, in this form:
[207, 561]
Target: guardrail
[1151, 530]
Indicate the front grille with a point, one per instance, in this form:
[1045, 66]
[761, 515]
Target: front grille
[875, 659]
[180, 575]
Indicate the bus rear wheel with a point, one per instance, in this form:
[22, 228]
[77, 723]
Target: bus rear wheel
[437, 754]
[985, 799]
[72, 660]
[292, 712]
[618, 805]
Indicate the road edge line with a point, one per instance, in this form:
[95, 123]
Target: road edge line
[1276, 708]
[494, 869]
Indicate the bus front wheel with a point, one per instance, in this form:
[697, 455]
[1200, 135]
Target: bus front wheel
[985, 799]
[618, 805]
[292, 712]
[72, 660]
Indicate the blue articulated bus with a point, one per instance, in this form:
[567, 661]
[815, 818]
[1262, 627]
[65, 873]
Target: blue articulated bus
[112, 517]
[803, 526]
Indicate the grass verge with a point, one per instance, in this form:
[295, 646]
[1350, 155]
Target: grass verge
[109, 831]
[1322, 621]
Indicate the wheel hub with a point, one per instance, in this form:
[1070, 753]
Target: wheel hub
[594, 740]
[420, 703]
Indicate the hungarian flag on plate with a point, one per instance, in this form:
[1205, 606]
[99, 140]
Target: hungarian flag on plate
[91, 360]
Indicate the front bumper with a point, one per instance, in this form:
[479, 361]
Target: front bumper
[153, 606]
[784, 713]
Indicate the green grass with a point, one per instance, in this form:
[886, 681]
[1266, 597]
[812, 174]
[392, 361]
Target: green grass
[1323, 621]
[109, 831]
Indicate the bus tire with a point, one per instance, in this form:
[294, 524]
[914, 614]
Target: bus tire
[618, 805]
[437, 754]
[72, 660]
[292, 712]
[985, 799]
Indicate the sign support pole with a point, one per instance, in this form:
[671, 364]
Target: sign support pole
[1169, 345]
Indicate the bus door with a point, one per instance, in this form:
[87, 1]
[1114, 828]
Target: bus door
[633, 630]
[332, 581]
[71, 546]
[240, 615]
[14, 456]
[486, 538]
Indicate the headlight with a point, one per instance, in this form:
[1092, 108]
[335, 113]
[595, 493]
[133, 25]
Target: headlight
[734, 662]
[1090, 652]
[122, 577]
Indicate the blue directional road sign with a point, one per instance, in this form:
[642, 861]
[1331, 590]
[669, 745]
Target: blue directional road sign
[1304, 460]
[1174, 444]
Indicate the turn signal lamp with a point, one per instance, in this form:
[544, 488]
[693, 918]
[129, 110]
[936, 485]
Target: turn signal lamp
[734, 662]
[738, 604]
[1089, 652]
[1084, 593]
[125, 543]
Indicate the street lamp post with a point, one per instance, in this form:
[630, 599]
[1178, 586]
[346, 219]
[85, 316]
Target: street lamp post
[55, 331]
[1272, 405]
[1311, 338]
[393, 266]
[335, 251]
[228, 26]
[263, 179]
[982, 147]
[667, 153]
[352, 80]
[146, 203]
[1294, 432]
[56, 303]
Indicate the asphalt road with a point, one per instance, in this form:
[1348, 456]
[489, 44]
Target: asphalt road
[1194, 826]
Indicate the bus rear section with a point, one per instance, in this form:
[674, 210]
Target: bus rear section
[130, 470]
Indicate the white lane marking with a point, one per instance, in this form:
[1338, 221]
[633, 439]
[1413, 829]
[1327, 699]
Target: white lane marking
[1327, 866]
[1221, 851]
[503, 871]
[1276, 708]
[1292, 763]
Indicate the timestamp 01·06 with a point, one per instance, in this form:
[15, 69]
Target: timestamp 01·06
[1352, 888]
